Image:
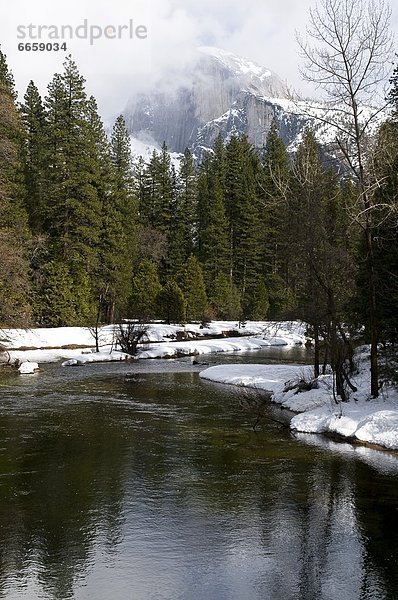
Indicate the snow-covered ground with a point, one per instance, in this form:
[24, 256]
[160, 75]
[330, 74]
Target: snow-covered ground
[374, 421]
[76, 343]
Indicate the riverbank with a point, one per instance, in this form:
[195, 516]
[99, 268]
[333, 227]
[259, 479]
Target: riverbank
[76, 345]
[372, 421]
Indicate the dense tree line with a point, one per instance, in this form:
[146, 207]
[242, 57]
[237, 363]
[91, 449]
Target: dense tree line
[88, 236]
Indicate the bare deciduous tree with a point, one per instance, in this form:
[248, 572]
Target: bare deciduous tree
[348, 55]
[129, 335]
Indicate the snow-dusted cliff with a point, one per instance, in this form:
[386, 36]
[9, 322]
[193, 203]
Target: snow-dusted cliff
[221, 93]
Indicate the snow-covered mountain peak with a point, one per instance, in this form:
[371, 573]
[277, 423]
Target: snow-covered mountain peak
[235, 62]
[251, 75]
[221, 94]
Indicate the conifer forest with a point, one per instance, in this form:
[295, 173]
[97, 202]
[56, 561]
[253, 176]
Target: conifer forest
[90, 234]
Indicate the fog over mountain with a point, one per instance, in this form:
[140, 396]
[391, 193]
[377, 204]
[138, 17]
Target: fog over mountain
[221, 93]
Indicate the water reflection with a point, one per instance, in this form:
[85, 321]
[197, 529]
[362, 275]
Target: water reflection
[126, 484]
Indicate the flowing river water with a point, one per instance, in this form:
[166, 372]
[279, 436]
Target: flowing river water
[143, 482]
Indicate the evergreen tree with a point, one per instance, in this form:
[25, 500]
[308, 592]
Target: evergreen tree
[65, 295]
[193, 287]
[145, 291]
[322, 267]
[274, 190]
[121, 156]
[213, 226]
[14, 232]
[157, 205]
[183, 229]
[259, 302]
[158, 195]
[172, 303]
[243, 168]
[35, 156]
[226, 298]
[385, 233]
[120, 222]
[73, 211]
[58, 296]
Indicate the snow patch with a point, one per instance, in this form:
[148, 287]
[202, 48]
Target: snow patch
[374, 421]
[28, 368]
[144, 149]
[96, 357]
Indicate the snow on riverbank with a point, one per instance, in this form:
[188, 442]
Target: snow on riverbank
[67, 343]
[195, 347]
[96, 357]
[373, 421]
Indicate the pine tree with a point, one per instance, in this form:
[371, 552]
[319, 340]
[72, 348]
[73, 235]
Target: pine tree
[243, 169]
[259, 302]
[385, 230]
[172, 303]
[122, 160]
[183, 229]
[213, 226]
[73, 211]
[120, 222]
[58, 296]
[35, 156]
[14, 232]
[194, 290]
[146, 288]
[322, 271]
[158, 197]
[274, 190]
[226, 298]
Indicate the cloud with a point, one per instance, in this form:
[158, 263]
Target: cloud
[115, 69]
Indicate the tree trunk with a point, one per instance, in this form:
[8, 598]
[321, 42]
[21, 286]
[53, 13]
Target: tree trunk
[374, 369]
[110, 317]
[316, 350]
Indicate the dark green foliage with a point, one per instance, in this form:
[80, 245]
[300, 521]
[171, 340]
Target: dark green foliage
[15, 301]
[194, 290]
[14, 232]
[323, 273]
[74, 208]
[172, 303]
[183, 226]
[226, 298]
[386, 265]
[157, 194]
[243, 169]
[274, 193]
[385, 239]
[12, 189]
[36, 157]
[258, 305]
[145, 290]
[119, 221]
[58, 296]
[89, 188]
[121, 158]
[73, 212]
[213, 226]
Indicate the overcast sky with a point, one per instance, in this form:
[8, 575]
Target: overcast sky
[262, 30]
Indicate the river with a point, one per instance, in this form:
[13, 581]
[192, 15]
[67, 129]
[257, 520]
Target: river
[143, 482]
